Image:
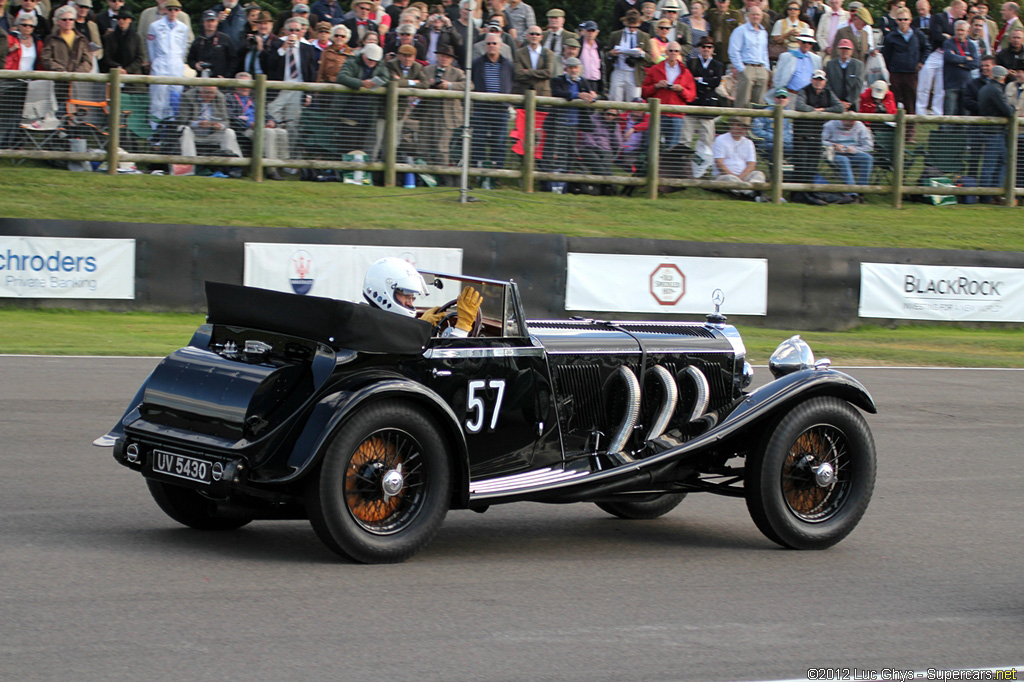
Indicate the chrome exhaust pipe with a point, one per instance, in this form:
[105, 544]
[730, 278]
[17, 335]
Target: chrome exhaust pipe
[669, 401]
[622, 433]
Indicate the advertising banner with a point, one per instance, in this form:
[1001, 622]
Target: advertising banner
[603, 282]
[941, 292]
[335, 270]
[57, 267]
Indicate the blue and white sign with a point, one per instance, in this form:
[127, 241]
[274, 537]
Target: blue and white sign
[57, 267]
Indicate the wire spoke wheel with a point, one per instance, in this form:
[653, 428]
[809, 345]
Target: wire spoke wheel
[810, 483]
[819, 448]
[384, 484]
[372, 504]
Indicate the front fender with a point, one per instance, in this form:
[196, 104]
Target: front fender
[805, 384]
[333, 410]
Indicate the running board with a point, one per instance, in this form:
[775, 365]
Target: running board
[522, 482]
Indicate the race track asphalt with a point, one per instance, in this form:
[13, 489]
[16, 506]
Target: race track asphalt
[97, 584]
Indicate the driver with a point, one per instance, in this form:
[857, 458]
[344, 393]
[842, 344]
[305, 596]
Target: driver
[393, 284]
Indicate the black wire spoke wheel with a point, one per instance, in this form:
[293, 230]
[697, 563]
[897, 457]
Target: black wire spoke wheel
[816, 473]
[192, 508]
[810, 483]
[372, 491]
[384, 485]
[642, 508]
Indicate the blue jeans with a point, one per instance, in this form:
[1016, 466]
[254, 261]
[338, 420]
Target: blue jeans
[993, 165]
[671, 130]
[848, 163]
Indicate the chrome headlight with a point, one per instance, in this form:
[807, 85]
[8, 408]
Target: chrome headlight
[792, 355]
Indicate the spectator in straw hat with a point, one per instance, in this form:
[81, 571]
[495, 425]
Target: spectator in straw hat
[858, 32]
[360, 24]
[795, 67]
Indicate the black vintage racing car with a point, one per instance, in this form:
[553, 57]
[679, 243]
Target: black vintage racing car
[372, 426]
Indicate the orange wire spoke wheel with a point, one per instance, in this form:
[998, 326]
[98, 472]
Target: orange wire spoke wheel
[384, 482]
[815, 476]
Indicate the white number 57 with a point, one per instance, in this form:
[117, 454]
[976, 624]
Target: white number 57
[475, 404]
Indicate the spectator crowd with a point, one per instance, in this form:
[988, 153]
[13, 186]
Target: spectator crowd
[805, 55]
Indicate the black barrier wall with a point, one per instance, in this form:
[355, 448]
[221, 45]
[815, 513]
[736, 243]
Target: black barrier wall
[809, 287]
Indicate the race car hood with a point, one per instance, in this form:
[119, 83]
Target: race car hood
[560, 337]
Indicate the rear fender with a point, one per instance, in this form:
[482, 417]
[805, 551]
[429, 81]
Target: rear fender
[200, 339]
[334, 410]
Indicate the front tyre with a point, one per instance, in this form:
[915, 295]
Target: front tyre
[384, 486]
[191, 508]
[642, 509]
[811, 483]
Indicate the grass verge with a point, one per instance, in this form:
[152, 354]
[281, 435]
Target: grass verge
[693, 215]
[71, 332]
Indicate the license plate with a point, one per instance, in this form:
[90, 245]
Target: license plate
[180, 466]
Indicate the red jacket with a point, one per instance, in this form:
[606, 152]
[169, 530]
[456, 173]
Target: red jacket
[867, 103]
[13, 53]
[656, 74]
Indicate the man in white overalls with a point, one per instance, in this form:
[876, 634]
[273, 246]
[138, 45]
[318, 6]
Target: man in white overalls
[167, 41]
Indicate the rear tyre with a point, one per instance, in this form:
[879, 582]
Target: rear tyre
[811, 483]
[645, 508]
[191, 508]
[384, 486]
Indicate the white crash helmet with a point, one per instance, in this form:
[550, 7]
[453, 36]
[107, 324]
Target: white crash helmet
[386, 277]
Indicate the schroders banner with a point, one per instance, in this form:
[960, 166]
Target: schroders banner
[603, 282]
[336, 270]
[58, 267]
[941, 292]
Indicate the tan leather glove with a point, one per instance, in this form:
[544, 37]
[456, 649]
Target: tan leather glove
[468, 306]
[431, 315]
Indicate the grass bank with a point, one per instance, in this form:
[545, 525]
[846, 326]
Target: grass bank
[693, 215]
[70, 332]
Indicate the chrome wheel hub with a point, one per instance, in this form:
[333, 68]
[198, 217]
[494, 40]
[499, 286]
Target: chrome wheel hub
[392, 482]
[824, 475]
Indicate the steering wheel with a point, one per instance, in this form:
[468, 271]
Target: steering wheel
[451, 316]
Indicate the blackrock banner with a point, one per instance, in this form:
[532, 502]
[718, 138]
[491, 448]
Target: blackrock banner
[941, 292]
[57, 267]
[336, 270]
[604, 282]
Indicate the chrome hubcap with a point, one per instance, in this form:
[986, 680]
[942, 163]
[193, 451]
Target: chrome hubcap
[392, 482]
[824, 475]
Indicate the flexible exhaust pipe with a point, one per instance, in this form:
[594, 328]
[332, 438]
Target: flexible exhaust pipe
[670, 399]
[621, 436]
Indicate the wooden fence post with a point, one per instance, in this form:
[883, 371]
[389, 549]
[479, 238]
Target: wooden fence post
[114, 129]
[778, 128]
[899, 146]
[1011, 161]
[653, 147]
[259, 96]
[529, 139]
